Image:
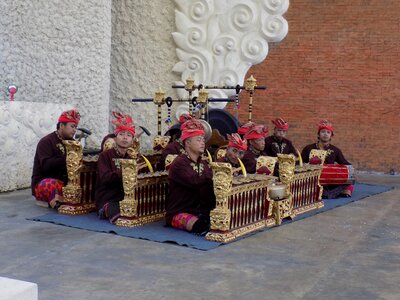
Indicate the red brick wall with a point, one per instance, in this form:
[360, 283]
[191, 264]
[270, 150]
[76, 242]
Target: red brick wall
[340, 61]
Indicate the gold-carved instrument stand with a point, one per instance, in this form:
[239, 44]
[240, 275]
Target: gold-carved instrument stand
[72, 192]
[241, 204]
[283, 208]
[145, 195]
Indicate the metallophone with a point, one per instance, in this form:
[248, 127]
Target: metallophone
[243, 204]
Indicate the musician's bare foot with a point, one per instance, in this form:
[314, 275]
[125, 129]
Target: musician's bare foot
[57, 199]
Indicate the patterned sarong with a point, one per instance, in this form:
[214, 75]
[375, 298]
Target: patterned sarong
[184, 221]
[47, 189]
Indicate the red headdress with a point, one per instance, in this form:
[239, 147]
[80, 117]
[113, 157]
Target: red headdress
[325, 124]
[236, 141]
[123, 123]
[280, 124]
[185, 117]
[70, 116]
[191, 128]
[256, 132]
[246, 127]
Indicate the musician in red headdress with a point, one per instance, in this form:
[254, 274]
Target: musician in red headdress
[109, 188]
[49, 167]
[175, 147]
[278, 143]
[245, 128]
[334, 157]
[256, 140]
[235, 150]
[109, 140]
[191, 195]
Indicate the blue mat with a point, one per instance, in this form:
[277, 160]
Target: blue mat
[159, 233]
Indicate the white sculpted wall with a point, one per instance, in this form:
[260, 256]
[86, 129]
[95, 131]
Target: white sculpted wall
[56, 52]
[218, 41]
[142, 57]
[22, 125]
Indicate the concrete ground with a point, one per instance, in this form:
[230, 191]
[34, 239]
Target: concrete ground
[351, 252]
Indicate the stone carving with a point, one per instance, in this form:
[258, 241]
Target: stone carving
[21, 128]
[218, 41]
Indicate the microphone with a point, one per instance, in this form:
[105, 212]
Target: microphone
[84, 130]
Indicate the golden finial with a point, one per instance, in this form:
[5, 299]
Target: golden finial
[159, 97]
[251, 83]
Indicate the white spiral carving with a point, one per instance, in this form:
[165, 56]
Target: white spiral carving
[274, 28]
[224, 44]
[242, 17]
[254, 48]
[200, 10]
[218, 41]
[276, 7]
[228, 78]
[196, 36]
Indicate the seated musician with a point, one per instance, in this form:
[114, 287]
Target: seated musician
[109, 140]
[236, 149]
[334, 156]
[278, 143]
[256, 144]
[109, 188]
[49, 167]
[245, 128]
[175, 147]
[191, 195]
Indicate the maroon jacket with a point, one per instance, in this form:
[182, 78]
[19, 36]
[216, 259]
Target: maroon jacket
[273, 146]
[334, 154]
[109, 186]
[176, 147]
[190, 188]
[250, 160]
[49, 161]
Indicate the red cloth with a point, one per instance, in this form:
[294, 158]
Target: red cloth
[184, 221]
[246, 127]
[280, 124]
[191, 128]
[263, 170]
[236, 141]
[123, 123]
[185, 117]
[48, 188]
[70, 116]
[256, 132]
[325, 124]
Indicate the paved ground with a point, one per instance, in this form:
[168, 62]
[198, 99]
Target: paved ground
[351, 252]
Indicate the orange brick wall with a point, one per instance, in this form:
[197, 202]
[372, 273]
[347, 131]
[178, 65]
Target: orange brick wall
[340, 61]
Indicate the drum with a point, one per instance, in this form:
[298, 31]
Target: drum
[337, 174]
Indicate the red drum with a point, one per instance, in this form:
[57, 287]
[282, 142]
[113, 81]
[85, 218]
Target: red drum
[337, 174]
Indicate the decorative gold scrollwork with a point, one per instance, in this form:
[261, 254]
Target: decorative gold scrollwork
[221, 153]
[160, 142]
[109, 144]
[316, 153]
[72, 192]
[128, 206]
[266, 161]
[222, 178]
[287, 164]
[169, 159]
